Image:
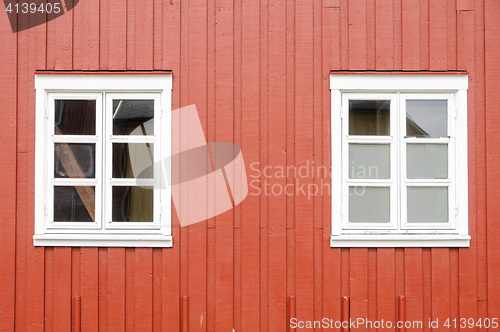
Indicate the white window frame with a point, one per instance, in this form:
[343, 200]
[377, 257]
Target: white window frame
[398, 88]
[102, 88]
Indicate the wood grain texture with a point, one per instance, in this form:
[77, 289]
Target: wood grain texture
[258, 73]
[492, 70]
[8, 165]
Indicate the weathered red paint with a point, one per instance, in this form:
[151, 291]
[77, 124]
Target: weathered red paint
[258, 73]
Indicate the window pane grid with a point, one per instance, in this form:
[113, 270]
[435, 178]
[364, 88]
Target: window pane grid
[132, 157]
[434, 145]
[74, 168]
[369, 152]
[426, 162]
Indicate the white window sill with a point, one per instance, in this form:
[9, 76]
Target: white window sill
[403, 240]
[104, 240]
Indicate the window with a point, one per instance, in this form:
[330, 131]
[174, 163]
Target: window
[399, 160]
[101, 161]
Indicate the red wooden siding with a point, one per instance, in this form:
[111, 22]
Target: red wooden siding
[258, 73]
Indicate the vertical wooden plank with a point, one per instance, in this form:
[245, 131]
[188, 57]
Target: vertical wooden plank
[8, 98]
[89, 289]
[129, 289]
[293, 314]
[117, 42]
[398, 33]
[103, 288]
[60, 42]
[454, 287]
[492, 69]
[440, 285]
[427, 286]
[481, 166]
[35, 255]
[131, 35]
[358, 283]
[373, 279]
[331, 256]
[424, 35]
[250, 136]
[411, 34]
[290, 155]
[413, 286]
[116, 289]
[144, 35]
[438, 35]
[157, 290]
[467, 264]
[451, 25]
[158, 16]
[185, 63]
[104, 35]
[90, 38]
[185, 314]
[77, 37]
[316, 191]
[304, 147]
[197, 236]
[238, 139]
[209, 116]
[48, 290]
[277, 158]
[171, 286]
[344, 34]
[384, 35]
[21, 222]
[62, 289]
[237, 291]
[224, 132]
[264, 160]
[345, 271]
[75, 288]
[371, 50]
[386, 309]
[143, 289]
[357, 34]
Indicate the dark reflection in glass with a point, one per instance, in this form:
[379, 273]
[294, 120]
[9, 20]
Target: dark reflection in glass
[427, 118]
[369, 117]
[73, 160]
[75, 117]
[74, 204]
[133, 117]
[133, 160]
[132, 203]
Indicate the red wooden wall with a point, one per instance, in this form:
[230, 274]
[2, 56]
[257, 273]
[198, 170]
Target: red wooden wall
[258, 72]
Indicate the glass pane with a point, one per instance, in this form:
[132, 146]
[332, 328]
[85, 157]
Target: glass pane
[133, 117]
[74, 160]
[369, 117]
[75, 117]
[74, 204]
[369, 205]
[369, 161]
[132, 203]
[427, 118]
[427, 161]
[133, 160]
[427, 204]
